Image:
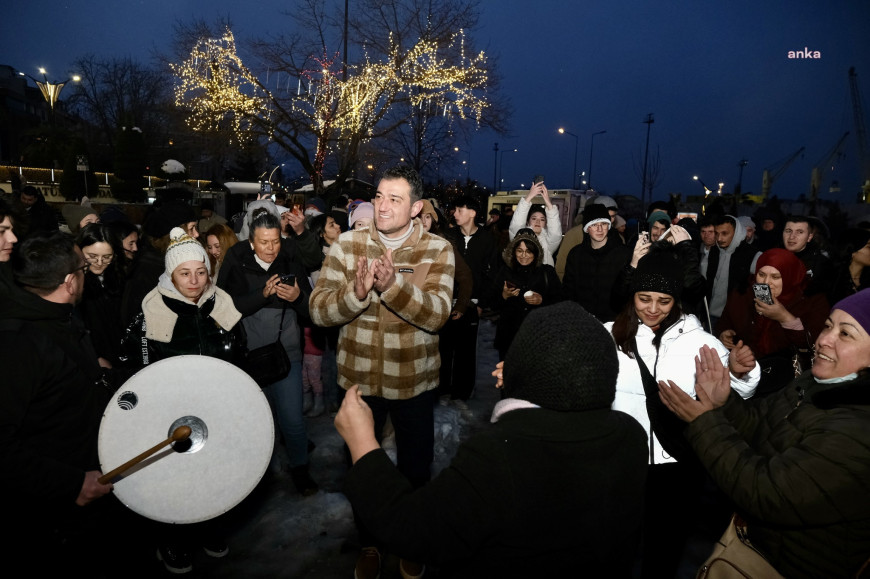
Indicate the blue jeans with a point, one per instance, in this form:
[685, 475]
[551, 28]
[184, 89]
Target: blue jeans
[285, 397]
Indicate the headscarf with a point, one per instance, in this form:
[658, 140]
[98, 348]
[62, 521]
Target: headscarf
[794, 280]
[792, 270]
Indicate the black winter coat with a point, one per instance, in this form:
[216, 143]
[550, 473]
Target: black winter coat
[538, 494]
[244, 279]
[195, 333]
[797, 465]
[52, 399]
[512, 311]
[591, 276]
[100, 309]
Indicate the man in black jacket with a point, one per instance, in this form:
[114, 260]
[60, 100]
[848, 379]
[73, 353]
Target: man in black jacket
[593, 267]
[51, 404]
[459, 335]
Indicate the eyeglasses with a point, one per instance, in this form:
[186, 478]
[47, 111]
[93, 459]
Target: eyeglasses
[99, 259]
[82, 268]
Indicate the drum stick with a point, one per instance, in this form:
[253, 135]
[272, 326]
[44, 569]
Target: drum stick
[180, 433]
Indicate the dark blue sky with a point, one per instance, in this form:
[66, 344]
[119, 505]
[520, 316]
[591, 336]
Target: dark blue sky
[716, 75]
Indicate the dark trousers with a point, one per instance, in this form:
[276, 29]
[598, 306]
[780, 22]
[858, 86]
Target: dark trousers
[458, 348]
[414, 423]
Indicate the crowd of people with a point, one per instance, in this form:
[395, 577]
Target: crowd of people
[649, 366]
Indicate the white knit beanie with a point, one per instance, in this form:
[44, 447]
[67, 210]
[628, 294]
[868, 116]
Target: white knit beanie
[184, 248]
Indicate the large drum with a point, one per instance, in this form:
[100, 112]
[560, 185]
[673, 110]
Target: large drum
[231, 441]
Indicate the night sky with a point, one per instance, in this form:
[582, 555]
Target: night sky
[716, 76]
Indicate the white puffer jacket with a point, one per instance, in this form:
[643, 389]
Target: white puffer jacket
[675, 360]
[550, 237]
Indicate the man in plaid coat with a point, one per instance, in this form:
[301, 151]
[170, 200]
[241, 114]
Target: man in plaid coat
[391, 286]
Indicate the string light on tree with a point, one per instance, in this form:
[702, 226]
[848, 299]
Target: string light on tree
[216, 87]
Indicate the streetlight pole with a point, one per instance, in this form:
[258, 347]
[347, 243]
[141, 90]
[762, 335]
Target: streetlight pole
[562, 131]
[648, 122]
[50, 90]
[589, 176]
[495, 168]
[707, 192]
[501, 164]
[466, 162]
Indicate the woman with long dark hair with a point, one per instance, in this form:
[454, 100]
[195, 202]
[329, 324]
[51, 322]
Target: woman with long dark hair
[524, 283]
[656, 340]
[104, 287]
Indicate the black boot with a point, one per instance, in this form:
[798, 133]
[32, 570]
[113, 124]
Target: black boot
[303, 481]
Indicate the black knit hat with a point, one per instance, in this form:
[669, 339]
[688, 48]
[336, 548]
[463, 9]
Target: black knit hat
[175, 213]
[597, 213]
[563, 359]
[660, 271]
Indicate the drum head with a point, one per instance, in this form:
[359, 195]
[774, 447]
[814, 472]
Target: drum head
[219, 465]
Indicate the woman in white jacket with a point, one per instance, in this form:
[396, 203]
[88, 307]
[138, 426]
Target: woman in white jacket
[544, 221]
[654, 337]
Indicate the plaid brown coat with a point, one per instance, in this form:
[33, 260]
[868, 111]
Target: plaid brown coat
[389, 342]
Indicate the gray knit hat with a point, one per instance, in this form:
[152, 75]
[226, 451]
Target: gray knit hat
[184, 248]
[563, 359]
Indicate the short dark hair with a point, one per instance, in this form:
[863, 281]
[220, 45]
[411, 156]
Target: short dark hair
[263, 219]
[722, 219]
[409, 175]
[43, 262]
[30, 191]
[6, 211]
[800, 219]
[468, 202]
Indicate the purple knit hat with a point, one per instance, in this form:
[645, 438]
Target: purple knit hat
[858, 306]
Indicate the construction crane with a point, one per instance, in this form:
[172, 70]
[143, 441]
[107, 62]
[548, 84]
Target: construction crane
[774, 172]
[818, 172]
[860, 134]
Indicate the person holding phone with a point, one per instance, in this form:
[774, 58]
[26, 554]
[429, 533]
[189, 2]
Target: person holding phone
[543, 220]
[779, 330]
[251, 274]
[523, 284]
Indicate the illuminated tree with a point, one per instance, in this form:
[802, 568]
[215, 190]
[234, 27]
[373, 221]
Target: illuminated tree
[319, 109]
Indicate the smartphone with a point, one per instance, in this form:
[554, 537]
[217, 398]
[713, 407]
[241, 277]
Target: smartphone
[510, 285]
[289, 279]
[538, 179]
[762, 292]
[643, 236]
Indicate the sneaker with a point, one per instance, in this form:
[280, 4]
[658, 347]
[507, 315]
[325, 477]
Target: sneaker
[368, 564]
[411, 569]
[303, 481]
[175, 560]
[216, 548]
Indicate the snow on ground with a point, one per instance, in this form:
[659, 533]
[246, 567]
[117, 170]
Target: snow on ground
[276, 532]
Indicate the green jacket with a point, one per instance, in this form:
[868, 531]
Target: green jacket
[797, 466]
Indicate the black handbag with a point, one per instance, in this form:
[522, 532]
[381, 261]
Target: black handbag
[270, 363]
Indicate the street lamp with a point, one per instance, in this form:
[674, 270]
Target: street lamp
[466, 162]
[589, 176]
[501, 164]
[50, 90]
[562, 131]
